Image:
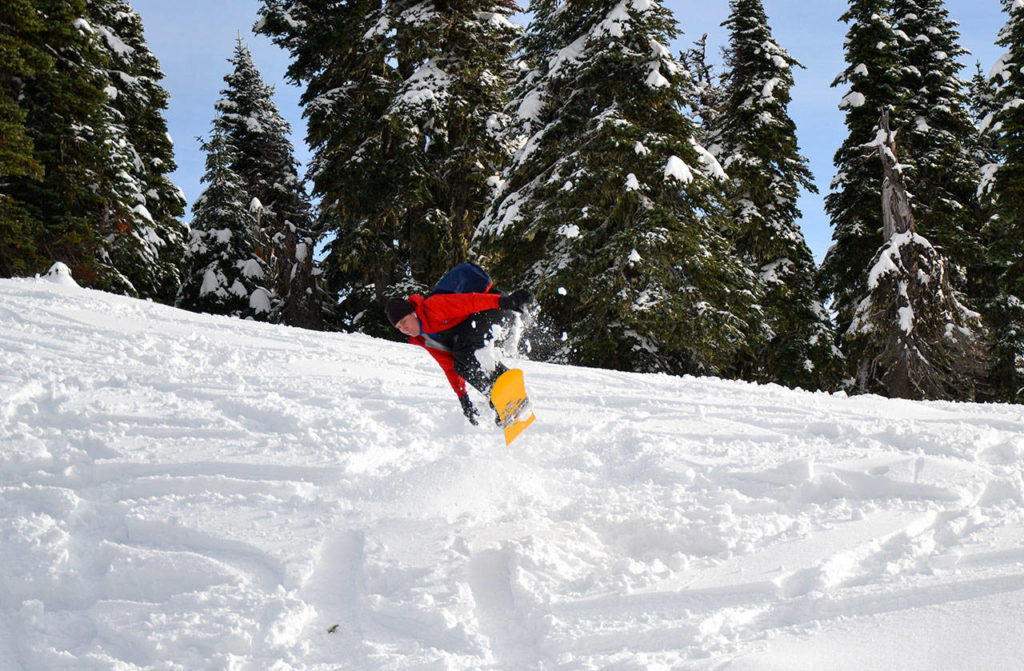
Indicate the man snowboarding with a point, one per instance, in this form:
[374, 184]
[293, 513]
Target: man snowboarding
[458, 329]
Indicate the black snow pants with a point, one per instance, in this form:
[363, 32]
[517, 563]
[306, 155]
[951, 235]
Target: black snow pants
[478, 331]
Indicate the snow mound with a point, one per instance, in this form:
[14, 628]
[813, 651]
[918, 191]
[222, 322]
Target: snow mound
[195, 492]
[59, 273]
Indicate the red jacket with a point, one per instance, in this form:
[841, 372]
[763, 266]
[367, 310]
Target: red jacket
[441, 312]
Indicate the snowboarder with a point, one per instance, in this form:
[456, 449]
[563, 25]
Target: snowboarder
[458, 329]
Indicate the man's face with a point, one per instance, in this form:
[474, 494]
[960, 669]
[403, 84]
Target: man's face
[409, 325]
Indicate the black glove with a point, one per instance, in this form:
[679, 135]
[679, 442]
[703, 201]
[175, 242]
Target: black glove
[469, 410]
[517, 300]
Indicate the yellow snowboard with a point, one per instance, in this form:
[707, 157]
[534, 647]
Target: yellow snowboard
[509, 398]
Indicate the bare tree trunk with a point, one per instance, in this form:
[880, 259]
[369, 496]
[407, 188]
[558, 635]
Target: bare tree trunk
[897, 217]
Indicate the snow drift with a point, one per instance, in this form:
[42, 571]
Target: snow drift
[180, 491]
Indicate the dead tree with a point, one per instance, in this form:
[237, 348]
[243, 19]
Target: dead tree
[912, 337]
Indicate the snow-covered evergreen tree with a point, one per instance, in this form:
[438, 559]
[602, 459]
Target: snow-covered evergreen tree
[404, 101]
[937, 138]
[224, 271]
[981, 93]
[455, 60]
[984, 280]
[349, 80]
[94, 193]
[143, 236]
[872, 75]
[911, 336]
[24, 57]
[911, 72]
[56, 211]
[266, 163]
[754, 139]
[1004, 184]
[610, 209]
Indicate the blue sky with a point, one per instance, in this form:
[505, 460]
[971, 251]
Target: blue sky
[193, 39]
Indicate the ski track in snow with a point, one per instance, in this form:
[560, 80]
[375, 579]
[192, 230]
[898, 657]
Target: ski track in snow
[181, 491]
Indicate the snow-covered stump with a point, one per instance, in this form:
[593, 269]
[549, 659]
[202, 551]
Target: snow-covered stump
[911, 335]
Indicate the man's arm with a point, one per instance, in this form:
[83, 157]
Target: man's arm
[447, 363]
[455, 306]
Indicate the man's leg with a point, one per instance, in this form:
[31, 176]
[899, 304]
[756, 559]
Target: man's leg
[473, 335]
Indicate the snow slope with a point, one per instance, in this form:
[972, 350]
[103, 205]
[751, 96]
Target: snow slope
[179, 491]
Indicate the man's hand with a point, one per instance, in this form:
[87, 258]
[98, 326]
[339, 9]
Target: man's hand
[517, 300]
[469, 410]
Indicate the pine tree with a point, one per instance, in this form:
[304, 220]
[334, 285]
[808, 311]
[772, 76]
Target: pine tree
[912, 73]
[24, 58]
[266, 163]
[224, 272]
[89, 185]
[984, 280]
[610, 211]
[911, 336]
[144, 238]
[982, 93]
[872, 73]
[402, 100]
[349, 79]
[754, 139]
[1005, 230]
[938, 138]
[455, 61]
[53, 214]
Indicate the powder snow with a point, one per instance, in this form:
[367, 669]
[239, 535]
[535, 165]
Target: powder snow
[183, 491]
